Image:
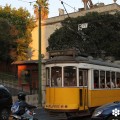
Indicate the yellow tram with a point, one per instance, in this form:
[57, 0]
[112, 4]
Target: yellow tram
[75, 84]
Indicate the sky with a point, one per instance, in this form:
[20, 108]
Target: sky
[54, 5]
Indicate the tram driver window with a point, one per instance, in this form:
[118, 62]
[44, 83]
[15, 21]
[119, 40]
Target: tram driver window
[70, 76]
[56, 76]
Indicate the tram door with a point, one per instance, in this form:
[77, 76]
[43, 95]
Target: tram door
[83, 91]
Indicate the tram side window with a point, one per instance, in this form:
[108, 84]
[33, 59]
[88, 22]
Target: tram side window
[112, 79]
[102, 79]
[70, 76]
[96, 79]
[117, 80]
[47, 76]
[108, 79]
[56, 76]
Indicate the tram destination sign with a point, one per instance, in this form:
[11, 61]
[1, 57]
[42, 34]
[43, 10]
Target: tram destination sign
[71, 52]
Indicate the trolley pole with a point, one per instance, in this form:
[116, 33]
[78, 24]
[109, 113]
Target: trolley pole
[39, 59]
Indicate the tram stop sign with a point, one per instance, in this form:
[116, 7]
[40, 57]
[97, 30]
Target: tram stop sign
[81, 26]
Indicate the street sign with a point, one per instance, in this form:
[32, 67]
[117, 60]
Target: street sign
[81, 26]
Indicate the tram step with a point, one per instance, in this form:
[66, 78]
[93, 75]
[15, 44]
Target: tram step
[79, 114]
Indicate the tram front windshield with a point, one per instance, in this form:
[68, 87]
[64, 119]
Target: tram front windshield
[59, 79]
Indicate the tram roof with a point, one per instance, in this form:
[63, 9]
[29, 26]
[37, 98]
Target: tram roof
[80, 59]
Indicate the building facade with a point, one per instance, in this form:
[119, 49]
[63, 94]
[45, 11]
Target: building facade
[51, 24]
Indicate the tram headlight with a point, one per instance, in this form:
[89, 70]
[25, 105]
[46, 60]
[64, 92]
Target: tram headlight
[97, 113]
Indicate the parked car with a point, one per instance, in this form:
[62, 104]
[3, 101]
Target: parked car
[5, 103]
[109, 111]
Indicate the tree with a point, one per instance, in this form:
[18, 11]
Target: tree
[4, 38]
[18, 37]
[44, 9]
[101, 36]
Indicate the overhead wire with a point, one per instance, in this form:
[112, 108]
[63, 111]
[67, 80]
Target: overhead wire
[27, 1]
[68, 5]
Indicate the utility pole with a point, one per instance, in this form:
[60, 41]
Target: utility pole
[39, 58]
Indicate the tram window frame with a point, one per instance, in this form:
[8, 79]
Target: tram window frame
[70, 76]
[47, 76]
[56, 76]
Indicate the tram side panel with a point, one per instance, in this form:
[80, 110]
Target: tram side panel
[103, 96]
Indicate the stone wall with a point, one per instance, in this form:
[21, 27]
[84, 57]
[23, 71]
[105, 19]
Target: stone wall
[30, 99]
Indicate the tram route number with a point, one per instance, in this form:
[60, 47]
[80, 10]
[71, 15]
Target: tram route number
[57, 106]
[54, 106]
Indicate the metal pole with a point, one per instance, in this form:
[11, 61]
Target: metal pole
[39, 60]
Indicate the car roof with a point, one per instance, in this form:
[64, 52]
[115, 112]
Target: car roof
[3, 87]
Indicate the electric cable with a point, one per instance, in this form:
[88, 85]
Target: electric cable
[68, 5]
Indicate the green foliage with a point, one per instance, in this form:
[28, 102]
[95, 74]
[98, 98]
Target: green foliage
[43, 4]
[101, 36]
[15, 32]
[4, 38]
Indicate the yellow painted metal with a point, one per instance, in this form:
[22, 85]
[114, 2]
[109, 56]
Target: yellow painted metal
[100, 97]
[62, 98]
[69, 98]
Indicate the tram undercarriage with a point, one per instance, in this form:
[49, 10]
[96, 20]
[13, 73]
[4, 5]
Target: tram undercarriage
[69, 115]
